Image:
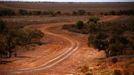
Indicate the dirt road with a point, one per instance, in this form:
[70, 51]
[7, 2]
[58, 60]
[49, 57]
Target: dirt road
[47, 59]
[68, 50]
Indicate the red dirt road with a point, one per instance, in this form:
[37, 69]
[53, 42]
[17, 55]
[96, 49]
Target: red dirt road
[47, 59]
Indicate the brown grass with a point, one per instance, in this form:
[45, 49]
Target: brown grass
[69, 7]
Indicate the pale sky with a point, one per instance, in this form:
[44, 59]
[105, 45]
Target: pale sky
[76, 0]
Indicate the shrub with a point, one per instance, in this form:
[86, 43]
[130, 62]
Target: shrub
[16, 37]
[36, 34]
[93, 19]
[92, 28]
[36, 12]
[115, 49]
[23, 12]
[45, 13]
[81, 12]
[2, 26]
[7, 12]
[89, 73]
[51, 13]
[100, 41]
[85, 69]
[80, 24]
[58, 12]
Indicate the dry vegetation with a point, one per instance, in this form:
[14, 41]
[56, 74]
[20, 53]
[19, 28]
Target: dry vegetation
[95, 7]
[112, 33]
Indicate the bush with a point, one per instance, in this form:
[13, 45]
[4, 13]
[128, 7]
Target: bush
[17, 37]
[74, 13]
[51, 13]
[23, 12]
[36, 34]
[100, 41]
[80, 24]
[89, 73]
[45, 13]
[58, 13]
[2, 26]
[85, 69]
[36, 13]
[115, 49]
[114, 60]
[93, 19]
[7, 12]
[81, 12]
[120, 12]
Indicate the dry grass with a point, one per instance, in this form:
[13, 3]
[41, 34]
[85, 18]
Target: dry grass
[69, 7]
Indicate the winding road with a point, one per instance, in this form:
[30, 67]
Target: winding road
[68, 51]
[70, 46]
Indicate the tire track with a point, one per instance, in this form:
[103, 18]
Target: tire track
[74, 45]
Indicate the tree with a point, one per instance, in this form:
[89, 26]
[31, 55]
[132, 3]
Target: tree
[23, 12]
[93, 19]
[114, 49]
[51, 13]
[16, 37]
[7, 12]
[37, 13]
[80, 24]
[81, 12]
[100, 41]
[2, 26]
[74, 13]
[58, 12]
[92, 27]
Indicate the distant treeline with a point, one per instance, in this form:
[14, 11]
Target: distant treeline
[23, 12]
[120, 12]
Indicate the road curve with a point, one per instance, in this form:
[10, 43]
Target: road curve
[74, 45]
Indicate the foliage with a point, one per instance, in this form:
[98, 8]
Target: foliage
[80, 12]
[80, 24]
[107, 36]
[23, 12]
[88, 73]
[100, 41]
[7, 12]
[85, 69]
[2, 26]
[16, 37]
[93, 19]
[52, 13]
[119, 12]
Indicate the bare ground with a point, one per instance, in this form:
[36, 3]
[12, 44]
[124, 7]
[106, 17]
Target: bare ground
[57, 44]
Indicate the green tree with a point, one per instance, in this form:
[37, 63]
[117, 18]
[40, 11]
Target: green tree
[114, 49]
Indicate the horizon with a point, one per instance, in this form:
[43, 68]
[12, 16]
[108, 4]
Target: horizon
[67, 0]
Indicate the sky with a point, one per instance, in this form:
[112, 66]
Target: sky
[75, 0]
